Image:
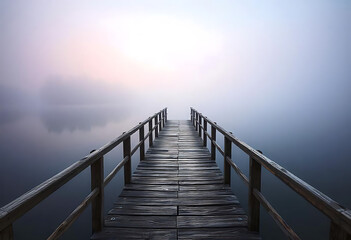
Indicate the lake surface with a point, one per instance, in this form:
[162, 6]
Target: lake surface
[35, 145]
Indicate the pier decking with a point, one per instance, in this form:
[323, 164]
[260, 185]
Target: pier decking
[176, 192]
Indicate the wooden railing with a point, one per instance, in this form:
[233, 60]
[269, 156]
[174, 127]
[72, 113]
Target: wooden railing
[15, 209]
[340, 227]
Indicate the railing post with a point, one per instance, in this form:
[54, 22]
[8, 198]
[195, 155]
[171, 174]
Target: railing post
[196, 122]
[97, 204]
[205, 130]
[150, 130]
[227, 153]
[213, 147]
[166, 114]
[200, 123]
[127, 165]
[7, 233]
[337, 233]
[156, 127]
[163, 118]
[254, 204]
[160, 120]
[142, 145]
[191, 115]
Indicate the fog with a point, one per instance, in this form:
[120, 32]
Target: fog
[275, 73]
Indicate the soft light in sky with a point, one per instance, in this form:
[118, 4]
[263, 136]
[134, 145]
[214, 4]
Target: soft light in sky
[272, 55]
[161, 42]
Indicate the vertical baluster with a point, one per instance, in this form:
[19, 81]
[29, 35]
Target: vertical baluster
[337, 233]
[7, 233]
[196, 121]
[200, 124]
[254, 204]
[163, 118]
[227, 153]
[97, 204]
[142, 145]
[213, 147]
[194, 118]
[191, 116]
[150, 131]
[160, 120]
[205, 130]
[156, 127]
[127, 165]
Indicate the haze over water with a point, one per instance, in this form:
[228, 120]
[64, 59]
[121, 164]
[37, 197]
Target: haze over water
[75, 75]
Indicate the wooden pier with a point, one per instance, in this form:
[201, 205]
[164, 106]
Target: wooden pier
[177, 192]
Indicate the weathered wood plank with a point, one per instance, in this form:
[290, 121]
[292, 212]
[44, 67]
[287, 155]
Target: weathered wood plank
[212, 221]
[135, 233]
[124, 209]
[141, 221]
[217, 233]
[233, 209]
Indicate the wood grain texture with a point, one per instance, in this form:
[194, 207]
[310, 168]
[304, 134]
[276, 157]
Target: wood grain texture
[176, 192]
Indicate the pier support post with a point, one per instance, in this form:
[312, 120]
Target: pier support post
[205, 130]
[254, 204]
[150, 131]
[213, 147]
[142, 145]
[97, 204]
[227, 153]
[127, 165]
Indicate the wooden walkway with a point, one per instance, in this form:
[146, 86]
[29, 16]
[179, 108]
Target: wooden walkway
[177, 192]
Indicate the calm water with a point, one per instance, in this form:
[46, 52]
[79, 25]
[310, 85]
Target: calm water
[35, 145]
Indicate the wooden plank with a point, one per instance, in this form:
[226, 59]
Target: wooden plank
[154, 201]
[123, 209]
[204, 193]
[134, 193]
[203, 187]
[233, 209]
[135, 233]
[211, 221]
[141, 221]
[164, 187]
[217, 233]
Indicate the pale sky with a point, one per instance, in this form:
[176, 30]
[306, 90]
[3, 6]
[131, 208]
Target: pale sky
[267, 55]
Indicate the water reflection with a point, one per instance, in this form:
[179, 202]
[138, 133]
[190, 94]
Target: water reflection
[71, 118]
[10, 115]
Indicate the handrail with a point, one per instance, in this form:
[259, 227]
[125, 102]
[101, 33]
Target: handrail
[340, 216]
[18, 207]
